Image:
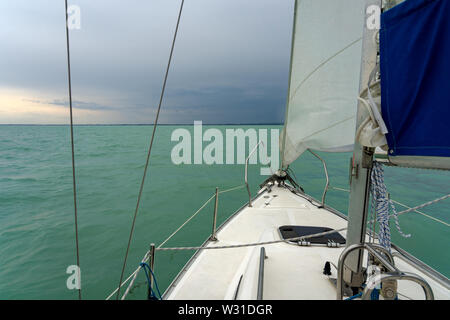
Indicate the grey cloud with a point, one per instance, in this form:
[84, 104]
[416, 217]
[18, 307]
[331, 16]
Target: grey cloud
[231, 56]
[75, 104]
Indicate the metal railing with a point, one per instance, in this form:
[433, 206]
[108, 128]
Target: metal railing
[399, 276]
[388, 263]
[326, 174]
[151, 261]
[262, 257]
[246, 172]
[216, 203]
[313, 153]
[421, 266]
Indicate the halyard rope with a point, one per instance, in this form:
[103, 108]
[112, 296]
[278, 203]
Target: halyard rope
[381, 205]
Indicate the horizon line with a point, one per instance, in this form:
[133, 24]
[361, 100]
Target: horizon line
[137, 124]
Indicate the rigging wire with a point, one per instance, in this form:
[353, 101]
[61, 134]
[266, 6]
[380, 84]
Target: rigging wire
[72, 145]
[136, 272]
[415, 209]
[164, 242]
[150, 148]
[424, 214]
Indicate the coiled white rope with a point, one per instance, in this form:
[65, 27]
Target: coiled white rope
[381, 206]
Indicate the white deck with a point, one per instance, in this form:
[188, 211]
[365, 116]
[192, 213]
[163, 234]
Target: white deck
[291, 271]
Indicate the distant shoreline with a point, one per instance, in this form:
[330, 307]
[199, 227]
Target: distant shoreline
[143, 124]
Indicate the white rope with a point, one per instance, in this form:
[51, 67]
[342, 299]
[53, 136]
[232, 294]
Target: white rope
[254, 243]
[339, 189]
[125, 281]
[136, 272]
[232, 189]
[187, 221]
[415, 209]
[381, 206]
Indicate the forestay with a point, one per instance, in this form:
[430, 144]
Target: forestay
[324, 79]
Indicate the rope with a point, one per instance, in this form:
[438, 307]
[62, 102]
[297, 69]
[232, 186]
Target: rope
[415, 209]
[424, 214]
[152, 294]
[72, 145]
[339, 189]
[381, 206]
[375, 294]
[134, 274]
[150, 147]
[125, 281]
[359, 295]
[186, 222]
[232, 189]
[425, 205]
[255, 243]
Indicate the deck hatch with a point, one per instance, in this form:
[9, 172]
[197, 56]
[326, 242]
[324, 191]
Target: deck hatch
[288, 232]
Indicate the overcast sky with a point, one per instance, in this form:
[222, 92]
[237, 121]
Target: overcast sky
[230, 63]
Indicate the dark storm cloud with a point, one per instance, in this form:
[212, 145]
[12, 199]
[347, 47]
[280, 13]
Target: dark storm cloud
[230, 64]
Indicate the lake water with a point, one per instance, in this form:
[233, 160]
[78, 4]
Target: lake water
[37, 238]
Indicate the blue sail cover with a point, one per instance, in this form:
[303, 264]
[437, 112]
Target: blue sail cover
[415, 77]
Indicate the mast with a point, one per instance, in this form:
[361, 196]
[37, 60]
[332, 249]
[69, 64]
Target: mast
[360, 168]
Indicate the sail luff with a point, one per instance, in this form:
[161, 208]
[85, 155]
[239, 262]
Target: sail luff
[324, 77]
[283, 135]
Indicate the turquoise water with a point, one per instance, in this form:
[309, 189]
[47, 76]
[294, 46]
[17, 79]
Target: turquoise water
[37, 240]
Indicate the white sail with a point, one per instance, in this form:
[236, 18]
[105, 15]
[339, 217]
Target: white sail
[324, 80]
